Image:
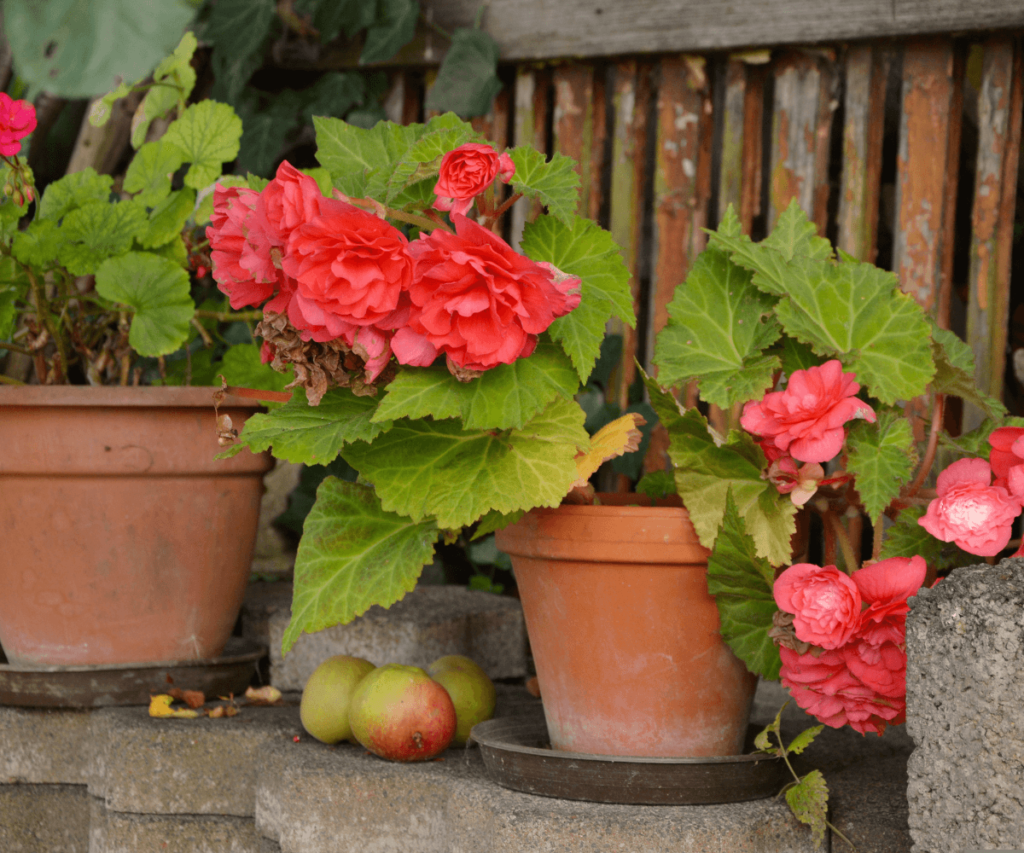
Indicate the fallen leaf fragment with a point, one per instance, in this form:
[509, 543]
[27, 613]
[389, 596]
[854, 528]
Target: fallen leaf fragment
[223, 711]
[193, 698]
[160, 706]
[262, 695]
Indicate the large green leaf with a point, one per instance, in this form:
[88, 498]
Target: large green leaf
[427, 468]
[38, 244]
[14, 286]
[586, 250]
[208, 134]
[354, 154]
[81, 48]
[238, 27]
[74, 190]
[741, 582]
[554, 183]
[352, 555]
[506, 396]
[467, 80]
[954, 372]
[149, 174]
[298, 432]
[168, 217]
[393, 28]
[423, 158]
[882, 459]
[95, 232]
[719, 324]
[158, 290]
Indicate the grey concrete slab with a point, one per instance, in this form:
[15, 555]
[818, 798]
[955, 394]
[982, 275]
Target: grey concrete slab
[44, 746]
[44, 819]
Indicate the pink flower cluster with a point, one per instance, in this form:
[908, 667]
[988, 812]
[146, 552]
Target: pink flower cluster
[855, 671]
[17, 120]
[339, 272]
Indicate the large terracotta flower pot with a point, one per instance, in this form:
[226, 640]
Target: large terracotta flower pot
[624, 634]
[123, 539]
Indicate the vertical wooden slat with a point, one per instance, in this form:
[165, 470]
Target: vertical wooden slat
[531, 99]
[494, 125]
[927, 174]
[753, 153]
[730, 175]
[999, 132]
[573, 125]
[429, 79]
[801, 125]
[867, 68]
[740, 174]
[631, 98]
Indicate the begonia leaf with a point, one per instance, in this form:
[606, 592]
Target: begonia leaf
[93, 233]
[586, 250]
[554, 183]
[74, 190]
[741, 583]
[882, 459]
[718, 327]
[149, 174]
[435, 468]
[208, 133]
[505, 396]
[353, 155]
[611, 441]
[353, 554]
[158, 290]
[315, 435]
[423, 158]
[493, 521]
[167, 218]
[954, 372]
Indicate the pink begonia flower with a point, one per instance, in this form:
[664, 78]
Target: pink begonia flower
[807, 418]
[1007, 458]
[885, 587]
[228, 233]
[970, 511]
[825, 687]
[882, 667]
[800, 484]
[824, 601]
[17, 120]
[468, 171]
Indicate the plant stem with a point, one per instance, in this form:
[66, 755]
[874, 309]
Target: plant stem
[841, 537]
[9, 380]
[933, 441]
[230, 316]
[508, 203]
[15, 348]
[205, 335]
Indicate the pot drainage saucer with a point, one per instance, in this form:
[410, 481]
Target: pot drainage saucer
[517, 755]
[129, 684]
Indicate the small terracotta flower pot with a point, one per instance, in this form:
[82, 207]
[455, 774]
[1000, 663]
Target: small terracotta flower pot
[624, 634]
[124, 540]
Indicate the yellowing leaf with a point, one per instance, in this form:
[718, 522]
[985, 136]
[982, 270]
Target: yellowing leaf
[614, 439]
[160, 706]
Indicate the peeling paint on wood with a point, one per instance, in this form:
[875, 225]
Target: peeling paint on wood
[741, 155]
[494, 128]
[999, 131]
[531, 99]
[867, 67]
[573, 124]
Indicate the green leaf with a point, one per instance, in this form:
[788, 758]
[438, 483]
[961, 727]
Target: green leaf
[38, 244]
[208, 134]
[657, 484]
[907, 538]
[394, 28]
[204, 210]
[243, 367]
[954, 372]
[553, 183]
[762, 741]
[352, 555]
[718, 326]
[174, 79]
[239, 27]
[586, 250]
[882, 459]
[423, 158]
[158, 290]
[14, 285]
[74, 190]
[79, 49]
[98, 231]
[467, 80]
[506, 396]
[803, 740]
[741, 582]
[101, 110]
[493, 521]
[808, 800]
[795, 355]
[149, 173]
[168, 218]
[231, 73]
[334, 93]
[353, 154]
[795, 235]
[314, 435]
[266, 127]
[435, 468]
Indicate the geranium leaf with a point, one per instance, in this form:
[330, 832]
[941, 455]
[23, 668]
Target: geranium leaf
[158, 290]
[506, 396]
[394, 27]
[149, 174]
[352, 555]
[717, 331]
[881, 459]
[954, 372]
[168, 218]
[74, 190]
[314, 435]
[436, 468]
[174, 78]
[467, 80]
[208, 134]
[741, 582]
[14, 285]
[97, 231]
[583, 249]
[808, 800]
[38, 244]
[554, 183]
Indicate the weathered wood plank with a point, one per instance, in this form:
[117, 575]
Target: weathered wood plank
[925, 183]
[402, 102]
[574, 128]
[999, 132]
[801, 127]
[867, 67]
[530, 128]
[739, 181]
[730, 174]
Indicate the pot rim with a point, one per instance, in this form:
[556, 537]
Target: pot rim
[143, 396]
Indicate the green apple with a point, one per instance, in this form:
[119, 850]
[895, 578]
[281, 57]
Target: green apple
[471, 690]
[400, 713]
[326, 697]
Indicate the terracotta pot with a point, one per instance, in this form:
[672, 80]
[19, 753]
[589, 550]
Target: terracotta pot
[124, 539]
[624, 634]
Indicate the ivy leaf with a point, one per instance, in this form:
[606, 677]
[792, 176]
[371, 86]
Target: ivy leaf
[92, 233]
[954, 372]
[717, 331]
[506, 396]
[554, 183]
[149, 174]
[168, 218]
[808, 800]
[208, 134]
[742, 582]
[334, 93]
[314, 435]
[393, 29]
[238, 27]
[467, 80]
[352, 555]
[265, 129]
[881, 459]
[74, 190]
[158, 290]
[804, 740]
[584, 249]
[436, 468]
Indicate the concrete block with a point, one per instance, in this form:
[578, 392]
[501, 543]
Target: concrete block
[44, 819]
[965, 691]
[43, 746]
[429, 622]
[191, 766]
[114, 832]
